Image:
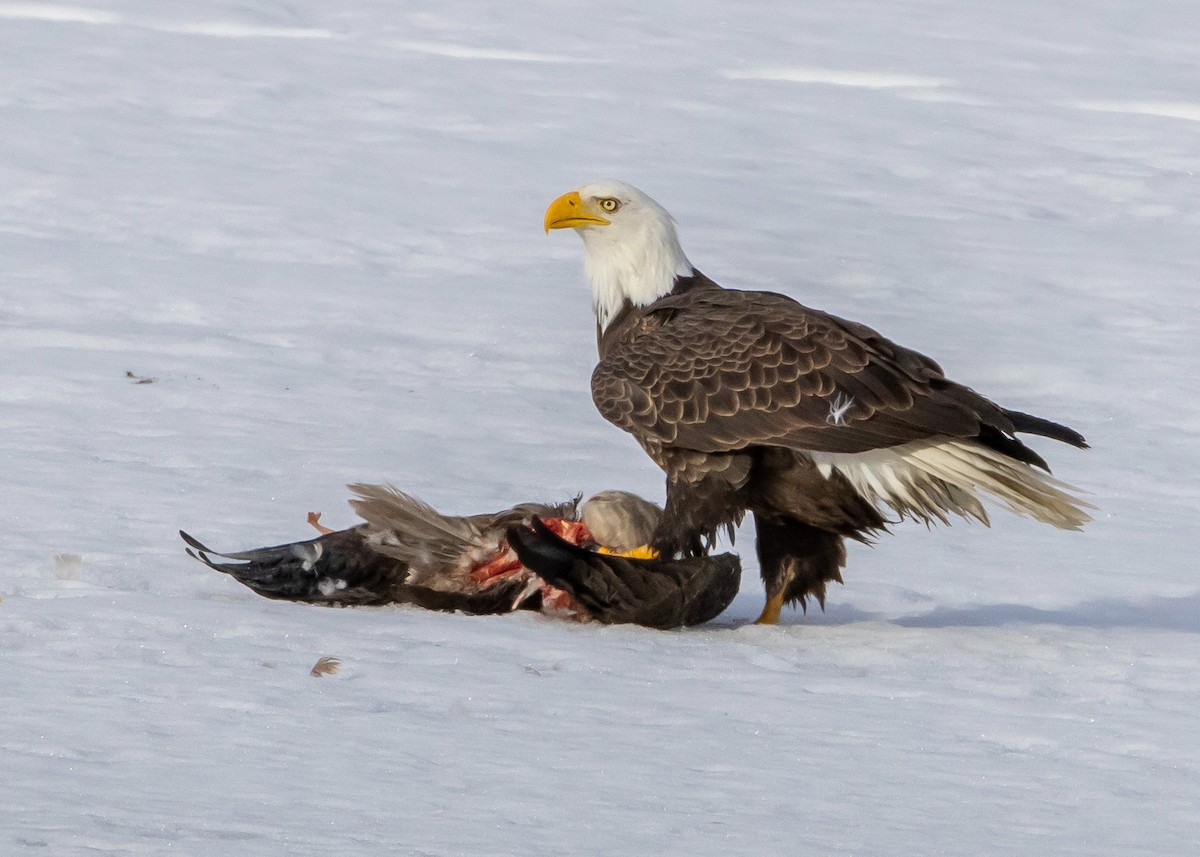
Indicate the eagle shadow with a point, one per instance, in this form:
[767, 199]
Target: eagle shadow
[1155, 613]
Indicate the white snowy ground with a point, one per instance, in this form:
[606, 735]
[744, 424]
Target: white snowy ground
[317, 227]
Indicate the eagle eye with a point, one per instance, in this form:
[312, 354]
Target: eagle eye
[609, 204]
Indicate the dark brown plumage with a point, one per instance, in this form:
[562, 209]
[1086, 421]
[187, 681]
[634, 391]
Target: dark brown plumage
[731, 393]
[657, 593]
[715, 370]
[752, 402]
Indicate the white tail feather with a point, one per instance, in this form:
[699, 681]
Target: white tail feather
[927, 479]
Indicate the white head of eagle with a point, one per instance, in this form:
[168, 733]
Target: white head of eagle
[631, 250]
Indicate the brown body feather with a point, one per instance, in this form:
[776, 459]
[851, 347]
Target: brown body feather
[715, 370]
[752, 402]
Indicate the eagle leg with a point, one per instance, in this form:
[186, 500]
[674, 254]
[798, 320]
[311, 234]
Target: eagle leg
[704, 498]
[771, 610]
[796, 561]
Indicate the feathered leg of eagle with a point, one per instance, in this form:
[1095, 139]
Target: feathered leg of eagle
[705, 495]
[796, 561]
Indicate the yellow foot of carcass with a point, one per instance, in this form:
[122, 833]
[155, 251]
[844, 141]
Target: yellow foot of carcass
[314, 518]
[643, 552]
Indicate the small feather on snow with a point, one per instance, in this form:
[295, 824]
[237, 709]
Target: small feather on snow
[325, 666]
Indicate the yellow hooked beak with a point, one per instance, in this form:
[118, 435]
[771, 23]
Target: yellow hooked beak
[569, 211]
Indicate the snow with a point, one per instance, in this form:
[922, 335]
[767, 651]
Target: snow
[315, 228]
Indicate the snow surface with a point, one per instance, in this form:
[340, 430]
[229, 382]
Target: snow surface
[315, 227]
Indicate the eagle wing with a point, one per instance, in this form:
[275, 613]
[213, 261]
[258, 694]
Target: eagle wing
[720, 370]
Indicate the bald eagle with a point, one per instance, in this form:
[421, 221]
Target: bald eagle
[815, 425]
[407, 552]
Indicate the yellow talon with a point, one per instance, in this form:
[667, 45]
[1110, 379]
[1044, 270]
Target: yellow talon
[771, 610]
[643, 552]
